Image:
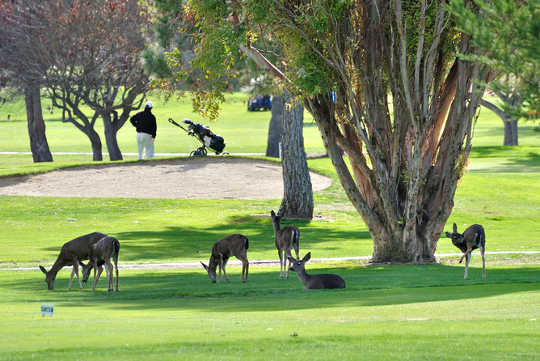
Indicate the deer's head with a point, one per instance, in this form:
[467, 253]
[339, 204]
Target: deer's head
[457, 238]
[211, 269]
[298, 265]
[49, 277]
[276, 220]
[86, 268]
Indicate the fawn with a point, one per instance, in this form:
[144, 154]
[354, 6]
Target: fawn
[101, 253]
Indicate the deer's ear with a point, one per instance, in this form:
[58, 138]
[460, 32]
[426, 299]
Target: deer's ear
[292, 260]
[455, 228]
[307, 257]
[272, 213]
[43, 269]
[205, 266]
[448, 234]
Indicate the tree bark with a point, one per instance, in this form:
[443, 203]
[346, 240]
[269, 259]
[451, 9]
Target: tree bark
[298, 194]
[511, 132]
[36, 126]
[110, 138]
[274, 128]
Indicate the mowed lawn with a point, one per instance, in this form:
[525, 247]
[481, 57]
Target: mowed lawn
[385, 313]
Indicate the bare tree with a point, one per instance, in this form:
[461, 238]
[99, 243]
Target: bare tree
[94, 48]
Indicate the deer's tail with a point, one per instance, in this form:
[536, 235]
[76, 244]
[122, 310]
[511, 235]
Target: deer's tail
[296, 238]
[116, 246]
[483, 238]
[246, 243]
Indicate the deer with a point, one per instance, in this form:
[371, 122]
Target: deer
[312, 282]
[101, 253]
[284, 239]
[70, 254]
[474, 237]
[235, 245]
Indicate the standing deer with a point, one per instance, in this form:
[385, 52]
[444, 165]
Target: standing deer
[70, 254]
[312, 282]
[101, 253]
[235, 245]
[474, 237]
[285, 238]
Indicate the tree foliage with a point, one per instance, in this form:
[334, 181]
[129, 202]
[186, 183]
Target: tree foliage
[508, 32]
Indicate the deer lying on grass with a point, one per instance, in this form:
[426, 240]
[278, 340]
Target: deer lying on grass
[474, 237]
[235, 245]
[70, 254]
[285, 238]
[312, 282]
[101, 253]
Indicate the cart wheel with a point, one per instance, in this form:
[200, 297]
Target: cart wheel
[199, 152]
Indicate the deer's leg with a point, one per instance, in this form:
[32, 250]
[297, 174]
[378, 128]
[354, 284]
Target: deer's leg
[109, 267]
[220, 265]
[116, 268]
[467, 260]
[71, 277]
[287, 255]
[96, 277]
[245, 267]
[76, 270]
[482, 251]
[225, 273]
[280, 263]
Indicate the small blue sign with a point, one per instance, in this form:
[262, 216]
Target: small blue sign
[47, 310]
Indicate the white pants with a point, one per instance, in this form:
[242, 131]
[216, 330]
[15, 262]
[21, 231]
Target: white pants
[145, 142]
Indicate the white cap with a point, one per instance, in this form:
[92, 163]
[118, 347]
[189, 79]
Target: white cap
[148, 104]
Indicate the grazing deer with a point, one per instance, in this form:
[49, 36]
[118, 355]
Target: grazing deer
[235, 245]
[70, 254]
[474, 237]
[285, 239]
[101, 253]
[312, 282]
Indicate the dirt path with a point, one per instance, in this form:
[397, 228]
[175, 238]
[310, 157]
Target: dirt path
[202, 178]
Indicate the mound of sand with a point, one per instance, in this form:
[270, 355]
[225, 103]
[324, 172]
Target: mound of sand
[206, 178]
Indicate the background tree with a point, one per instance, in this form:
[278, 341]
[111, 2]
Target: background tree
[511, 100]
[21, 25]
[508, 33]
[404, 105]
[94, 49]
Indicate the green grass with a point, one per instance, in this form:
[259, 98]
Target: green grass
[385, 313]
[392, 312]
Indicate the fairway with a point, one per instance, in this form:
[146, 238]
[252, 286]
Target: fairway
[387, 312]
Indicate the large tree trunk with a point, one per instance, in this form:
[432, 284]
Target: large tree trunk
[36, 126]
[111, 139]
[274, 128]
[298, 194]
[511, 132]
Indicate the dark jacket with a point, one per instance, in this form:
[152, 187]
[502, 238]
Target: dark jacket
[145, 122]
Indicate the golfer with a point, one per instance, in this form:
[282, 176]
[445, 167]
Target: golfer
[145, 123]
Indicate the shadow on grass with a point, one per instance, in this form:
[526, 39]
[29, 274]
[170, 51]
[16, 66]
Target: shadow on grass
[516, 158]
[366, 286]
[191, 243]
